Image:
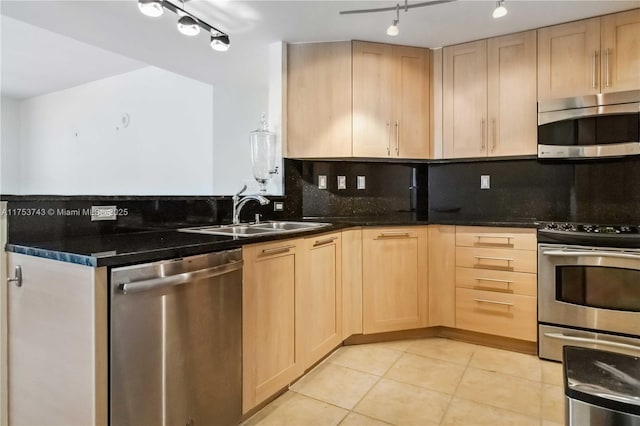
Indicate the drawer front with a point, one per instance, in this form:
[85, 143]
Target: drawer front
[496, 259]
[499, 281]
[513, 238]
[494, 313]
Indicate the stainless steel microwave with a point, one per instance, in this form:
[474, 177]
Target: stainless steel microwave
[603, 125]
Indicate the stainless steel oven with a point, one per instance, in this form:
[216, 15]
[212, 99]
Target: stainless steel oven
[604, 125]
[588, 295]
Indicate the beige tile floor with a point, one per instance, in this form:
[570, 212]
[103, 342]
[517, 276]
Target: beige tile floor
[422, 382]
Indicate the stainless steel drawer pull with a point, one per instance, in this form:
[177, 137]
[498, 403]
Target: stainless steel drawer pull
[504, 259]
[277, 250]
[394, 235]
[494, 280]
[504, 237]
[17, 277]
[589, 340]
[493, 302]
[323, 242]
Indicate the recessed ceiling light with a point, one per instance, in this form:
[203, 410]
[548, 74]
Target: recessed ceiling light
[188, 26]
[151, 8]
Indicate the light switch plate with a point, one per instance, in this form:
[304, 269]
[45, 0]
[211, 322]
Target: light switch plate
[278, 206]
[322, 182]
[342, 182]
[485, 182]
[361, 182]
[104, 213]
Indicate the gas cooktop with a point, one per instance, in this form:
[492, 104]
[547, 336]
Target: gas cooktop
[589, 234]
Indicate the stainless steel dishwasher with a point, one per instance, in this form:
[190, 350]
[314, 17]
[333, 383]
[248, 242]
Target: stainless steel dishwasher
[176, 342]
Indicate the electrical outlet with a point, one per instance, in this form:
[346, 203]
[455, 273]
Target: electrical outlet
[278, 206]
[361, 182]
[485, 182]
[322, 182]
[104, 213]
[342, 182]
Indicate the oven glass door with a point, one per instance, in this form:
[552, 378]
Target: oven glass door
[589, 287]
[590, 131]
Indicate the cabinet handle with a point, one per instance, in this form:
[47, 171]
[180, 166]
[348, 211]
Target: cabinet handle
[388, 138]
[397, 139]
[606, 67]
[482, 139]
[506, 259]
[493, 302]
[495, 136]
[494, 280]
[323, 242]
[594, 68]
[394, 235]
[17, 277]
[495, 237]
[277, 250]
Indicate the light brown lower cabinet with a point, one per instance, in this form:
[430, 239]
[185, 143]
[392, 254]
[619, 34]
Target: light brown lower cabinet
[394, 278]
[272, 355]
[57, 343]
[442, 275]
[320, 297]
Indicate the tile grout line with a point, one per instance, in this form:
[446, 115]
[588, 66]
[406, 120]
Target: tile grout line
[453, 395]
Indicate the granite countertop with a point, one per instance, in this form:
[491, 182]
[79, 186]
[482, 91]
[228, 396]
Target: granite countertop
[148, 246]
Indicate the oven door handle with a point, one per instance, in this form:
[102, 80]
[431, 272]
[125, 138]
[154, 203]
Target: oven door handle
[589, 340]
[568, 253]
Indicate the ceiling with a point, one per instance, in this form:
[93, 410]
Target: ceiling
[118, 26]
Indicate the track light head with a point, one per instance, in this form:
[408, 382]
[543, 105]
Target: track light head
[188, 26]
[220, 42]
[393, 30]
[152, 8]
[500, 10]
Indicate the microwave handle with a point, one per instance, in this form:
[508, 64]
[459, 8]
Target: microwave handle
[589, 340]
[595, 253]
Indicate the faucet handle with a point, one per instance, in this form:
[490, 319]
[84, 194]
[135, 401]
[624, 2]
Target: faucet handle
[244, 188]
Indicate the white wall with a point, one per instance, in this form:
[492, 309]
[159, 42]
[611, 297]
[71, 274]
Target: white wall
[73, 141]
[10, 146]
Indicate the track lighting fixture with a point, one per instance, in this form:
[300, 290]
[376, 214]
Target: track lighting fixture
[151, 8]
[220, 42]
[500, 10]
[188, 24]
[393, 28]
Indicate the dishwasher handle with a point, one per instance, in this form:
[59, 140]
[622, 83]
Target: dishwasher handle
[173, 280]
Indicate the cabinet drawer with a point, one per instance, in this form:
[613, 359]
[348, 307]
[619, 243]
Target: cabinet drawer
[500, 314]
[514, 238]
[498, 281]
[496, 259]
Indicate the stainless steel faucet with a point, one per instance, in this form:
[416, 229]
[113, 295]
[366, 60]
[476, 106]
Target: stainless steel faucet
[239, 202]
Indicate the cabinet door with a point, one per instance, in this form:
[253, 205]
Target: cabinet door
[351, 282]
[511, 102]
[394, 263]
[411, 103]
[321, 297]
[319, 100]
[57, 343]
[465, 100]
[271, 353]
[568, 57]
[442, 275]
[620, 39]
[373, 74]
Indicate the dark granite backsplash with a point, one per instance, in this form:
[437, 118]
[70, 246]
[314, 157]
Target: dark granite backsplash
[390, 188]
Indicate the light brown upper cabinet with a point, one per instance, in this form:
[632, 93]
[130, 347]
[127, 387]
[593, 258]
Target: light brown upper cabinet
[597, 55]
[390, 101]
[489, 97]
[357, 99]
[319, 100]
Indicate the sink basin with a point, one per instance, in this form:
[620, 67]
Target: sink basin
[256, 229]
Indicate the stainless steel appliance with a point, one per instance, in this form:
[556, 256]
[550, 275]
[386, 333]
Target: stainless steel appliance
[588, 288]
[603, 125]
[601, 388]
[176, 342]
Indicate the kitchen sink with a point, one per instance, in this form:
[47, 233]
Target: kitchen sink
[256, 229]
